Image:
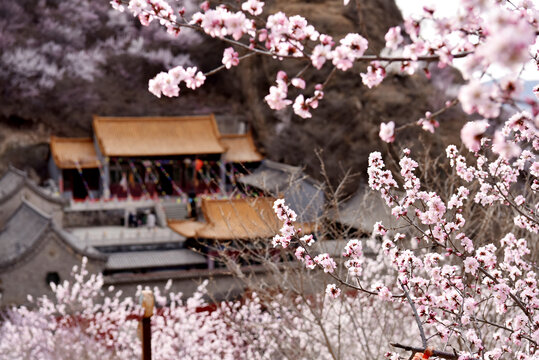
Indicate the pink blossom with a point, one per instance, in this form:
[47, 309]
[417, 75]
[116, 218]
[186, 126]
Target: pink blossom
[393, 37]
[137, 6]
[230, 58]
[307, 239]
[301, 107]
[320, 54]
[276, 99]
[384, 293]
[472, 133]
[505, 148]
[205, 6]
[236, 24]
[474, 97]
[356, 44]
[374, 76]
[117, 5]
[469, 306]
[353, 249]
[333, 291]
[299, 253]
[327, 263]
[379, 229]
[341, 58]
[155, 85]
[387, 131]
[354, 267]
[298, 82]
[194, 78]
[534, 169]
[429, 122]
[253, 7]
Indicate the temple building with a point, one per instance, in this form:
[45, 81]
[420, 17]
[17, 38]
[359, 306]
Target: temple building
[134, 157]
[158, 155]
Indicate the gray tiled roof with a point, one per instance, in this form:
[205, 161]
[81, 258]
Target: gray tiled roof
[71, 241]
[149, 259]
[21, 232]
[301, 193]
[26, 228]
[14, 179]
[363, 210]
[10, 182]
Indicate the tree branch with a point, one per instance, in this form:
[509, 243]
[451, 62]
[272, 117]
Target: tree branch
[440, 354]
[416, 315]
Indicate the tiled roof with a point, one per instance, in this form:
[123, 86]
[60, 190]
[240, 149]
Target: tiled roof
[25, 229]
[157, 136]
[232, 219]
[11, 181]
[72, 153]
[105, 236]
[187, 228]
[240, 148]
[363, 210]
[14, 179]
[152, 259]
[243, 219]
[21, 232]
[301, 193]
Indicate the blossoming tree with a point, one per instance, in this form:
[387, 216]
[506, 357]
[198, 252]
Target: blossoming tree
[467, 276]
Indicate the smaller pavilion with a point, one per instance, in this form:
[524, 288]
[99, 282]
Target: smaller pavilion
[75, 167]
[245, 225]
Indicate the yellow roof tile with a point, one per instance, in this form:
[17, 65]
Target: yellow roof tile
[72, 153]
[244, 219]
[157, 136]
[232, 219]
[240, 148]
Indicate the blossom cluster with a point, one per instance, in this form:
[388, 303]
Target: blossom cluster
[84, 320]
[287, 231]
[479, 32]
[461, 280]
[452, 286]
[168, 83]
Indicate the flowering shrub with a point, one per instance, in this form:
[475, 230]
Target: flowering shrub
[85, 321]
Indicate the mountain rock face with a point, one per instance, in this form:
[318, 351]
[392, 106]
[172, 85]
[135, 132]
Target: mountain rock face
[341, 133]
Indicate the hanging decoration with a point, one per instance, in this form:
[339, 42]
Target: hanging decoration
[79, 170]
[204, 170]
[139, 179]
[174, 186]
